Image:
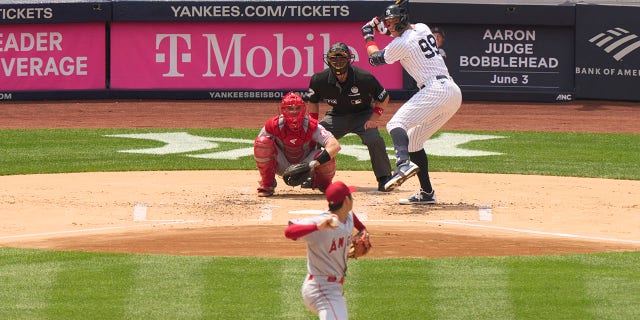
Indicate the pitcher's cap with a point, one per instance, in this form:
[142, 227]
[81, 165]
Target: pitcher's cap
[337, 191]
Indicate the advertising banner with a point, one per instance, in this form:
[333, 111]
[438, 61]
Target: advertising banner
[608, 52]
[510, 62]
[52, 56]
[234, 11]
[251, 55]
[39, 11]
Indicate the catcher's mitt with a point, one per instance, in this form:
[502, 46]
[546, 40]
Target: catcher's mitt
[296, 174]
[360, 245]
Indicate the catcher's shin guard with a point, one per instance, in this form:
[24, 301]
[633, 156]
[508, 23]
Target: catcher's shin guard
[265, 152]
[323, 174]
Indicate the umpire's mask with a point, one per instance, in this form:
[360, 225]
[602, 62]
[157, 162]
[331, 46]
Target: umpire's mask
[338, 58]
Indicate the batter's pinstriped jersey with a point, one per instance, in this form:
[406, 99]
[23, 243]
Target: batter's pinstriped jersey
[418, 54]
[439, 96]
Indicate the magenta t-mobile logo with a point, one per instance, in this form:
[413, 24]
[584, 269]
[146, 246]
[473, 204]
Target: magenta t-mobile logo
[173, 54]
[617, 41]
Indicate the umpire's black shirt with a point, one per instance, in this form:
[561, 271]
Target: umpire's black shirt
[352, 96]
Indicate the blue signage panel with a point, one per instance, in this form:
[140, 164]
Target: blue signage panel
[34, 11]
[511, 62]
[608, 52]
[247, 10]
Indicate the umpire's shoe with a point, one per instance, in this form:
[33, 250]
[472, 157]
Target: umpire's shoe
[381, 182]
[404, 171]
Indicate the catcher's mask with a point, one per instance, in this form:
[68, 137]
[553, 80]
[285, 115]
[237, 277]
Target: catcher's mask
[338, 58]
[293, 109]
[394, 11]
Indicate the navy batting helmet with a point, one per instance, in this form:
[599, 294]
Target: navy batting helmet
[395, 11]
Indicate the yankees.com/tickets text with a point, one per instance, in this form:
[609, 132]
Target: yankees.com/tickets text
[261, 11]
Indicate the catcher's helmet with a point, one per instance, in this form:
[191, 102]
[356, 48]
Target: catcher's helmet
[293, 109]
[395, 11]
[338, 58]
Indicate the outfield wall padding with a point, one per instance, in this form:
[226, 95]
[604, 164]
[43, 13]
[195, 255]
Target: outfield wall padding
[259, 50]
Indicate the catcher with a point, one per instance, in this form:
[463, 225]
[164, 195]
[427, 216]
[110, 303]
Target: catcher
[328, 249]
[287, 146]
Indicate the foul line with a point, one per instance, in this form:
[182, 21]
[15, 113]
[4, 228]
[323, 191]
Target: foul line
[555, 234]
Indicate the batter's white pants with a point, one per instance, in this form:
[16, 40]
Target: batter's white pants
[427, 111]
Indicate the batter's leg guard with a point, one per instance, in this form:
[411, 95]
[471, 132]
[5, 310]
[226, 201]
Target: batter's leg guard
[265, 152]
[400, 144]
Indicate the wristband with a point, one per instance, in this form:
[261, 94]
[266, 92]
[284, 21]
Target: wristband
[378, 110]
[323, 157]
[313, 115]
[370, 43]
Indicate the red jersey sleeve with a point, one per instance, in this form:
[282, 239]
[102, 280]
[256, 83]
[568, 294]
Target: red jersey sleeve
[295, 231]
[357, 224]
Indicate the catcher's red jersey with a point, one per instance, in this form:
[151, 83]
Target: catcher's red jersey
[296, 145]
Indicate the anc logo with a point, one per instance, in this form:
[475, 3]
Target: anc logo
[617, 42]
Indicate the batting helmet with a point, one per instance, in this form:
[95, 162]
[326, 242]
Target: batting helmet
[338, 58]
[395, 11]
[293, 110]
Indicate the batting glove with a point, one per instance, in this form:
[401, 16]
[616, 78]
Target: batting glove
[367, 31]
[380, 26]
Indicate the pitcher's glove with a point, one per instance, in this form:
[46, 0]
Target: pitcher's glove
[360, 245]
[296, 174]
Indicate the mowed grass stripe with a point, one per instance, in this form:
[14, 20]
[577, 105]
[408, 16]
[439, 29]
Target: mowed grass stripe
[26, 277]
[243, 288]
[73, 285]
[477, 289]
[292, 273]
[559, 290]
[390, 289]
[613, 290]
[166, 288]
[86, 280]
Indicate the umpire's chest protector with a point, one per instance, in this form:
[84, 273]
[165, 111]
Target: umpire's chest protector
[352, 96]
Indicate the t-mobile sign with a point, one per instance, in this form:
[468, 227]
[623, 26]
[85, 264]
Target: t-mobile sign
[232, 55]
[52, 56]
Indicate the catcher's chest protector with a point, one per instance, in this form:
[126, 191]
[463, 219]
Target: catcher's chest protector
[296, 145]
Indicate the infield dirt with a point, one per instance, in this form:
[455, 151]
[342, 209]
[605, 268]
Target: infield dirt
[218, 213]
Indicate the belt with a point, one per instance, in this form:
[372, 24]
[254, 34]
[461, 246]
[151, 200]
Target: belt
[438, 77]
[329, 279]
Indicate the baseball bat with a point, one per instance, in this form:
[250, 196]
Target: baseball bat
[402, 3]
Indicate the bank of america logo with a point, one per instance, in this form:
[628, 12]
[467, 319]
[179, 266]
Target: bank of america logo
[617, 41]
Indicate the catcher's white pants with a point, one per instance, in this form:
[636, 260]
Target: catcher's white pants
[324, 298]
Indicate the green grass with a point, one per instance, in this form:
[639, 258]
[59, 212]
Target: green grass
[85, 150]
[76, 285]
[37, 284]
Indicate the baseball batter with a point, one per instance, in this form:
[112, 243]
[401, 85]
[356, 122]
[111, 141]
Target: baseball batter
[327, 250]
[438, 99]
[292, 137]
